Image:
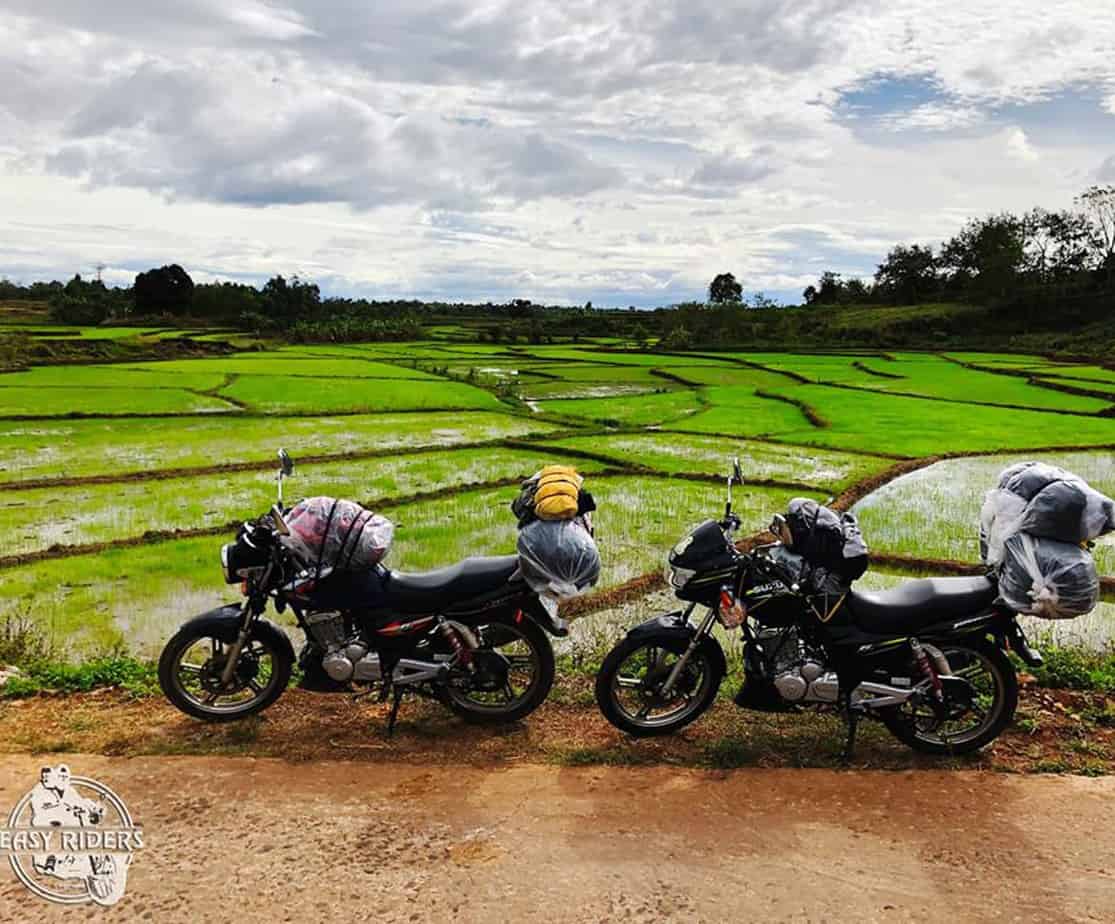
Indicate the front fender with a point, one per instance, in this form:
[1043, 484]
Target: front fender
[224, 623]
[668, 626]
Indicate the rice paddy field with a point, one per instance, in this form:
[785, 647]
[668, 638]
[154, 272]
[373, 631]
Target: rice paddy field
[120, 481]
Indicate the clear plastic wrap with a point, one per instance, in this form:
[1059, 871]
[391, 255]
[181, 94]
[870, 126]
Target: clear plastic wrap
[1047, 578]
[337, 534]
[558, 557]
[1045, 501]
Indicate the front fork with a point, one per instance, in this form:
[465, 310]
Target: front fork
[247, 614]
[698, 637]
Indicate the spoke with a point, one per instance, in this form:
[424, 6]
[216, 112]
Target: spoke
[630, 682]
[254, 684]
[508, 692]
[210, 699]
[644, 712]
[190, 668]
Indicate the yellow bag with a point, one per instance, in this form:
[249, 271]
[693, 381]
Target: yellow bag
[558, 493]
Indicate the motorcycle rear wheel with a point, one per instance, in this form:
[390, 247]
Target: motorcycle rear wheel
[514, 674]
[995, 682]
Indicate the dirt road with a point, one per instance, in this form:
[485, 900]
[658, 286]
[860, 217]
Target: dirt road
[265, 840]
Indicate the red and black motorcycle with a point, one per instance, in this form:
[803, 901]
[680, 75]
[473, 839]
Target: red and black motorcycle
[472, 635]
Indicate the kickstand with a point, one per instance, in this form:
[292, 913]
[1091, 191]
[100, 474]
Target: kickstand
[850, 746]
[394, 714]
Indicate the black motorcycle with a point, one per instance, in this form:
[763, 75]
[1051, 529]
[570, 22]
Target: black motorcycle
[927, 658]
[472, 635]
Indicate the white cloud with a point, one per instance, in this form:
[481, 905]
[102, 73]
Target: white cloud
[1019, 147]
[638, 147]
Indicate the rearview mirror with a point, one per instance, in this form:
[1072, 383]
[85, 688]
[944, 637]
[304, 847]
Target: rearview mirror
[781, 529]
[286, 463]
[278, 522]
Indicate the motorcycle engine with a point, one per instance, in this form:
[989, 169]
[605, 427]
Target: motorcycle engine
[345, 655]
[797, 673]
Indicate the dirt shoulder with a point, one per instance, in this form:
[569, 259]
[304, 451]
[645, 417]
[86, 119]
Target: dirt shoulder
[1054, 731]
[269, 840]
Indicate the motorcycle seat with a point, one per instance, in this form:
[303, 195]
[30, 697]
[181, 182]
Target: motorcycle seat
[429, 591]
[915, 604]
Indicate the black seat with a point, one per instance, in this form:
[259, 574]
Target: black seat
[428, 591]
[914, 604]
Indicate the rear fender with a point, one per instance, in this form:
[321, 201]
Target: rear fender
[224, 623]
[672, 627]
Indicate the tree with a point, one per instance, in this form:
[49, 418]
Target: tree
[1098, 206]
[987, 254]
[908, 274]
[725, 290]
[288, 302]
[166, 290]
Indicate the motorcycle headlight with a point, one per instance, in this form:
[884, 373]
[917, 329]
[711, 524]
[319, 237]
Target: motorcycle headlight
[226, 567]
[678, 577]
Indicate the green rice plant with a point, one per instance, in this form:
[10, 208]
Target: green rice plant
[39, 518]
[934, 376]
[135, 597]
[627, 410]
[21, 401]
[80, 448]
[868, 421]
[1107, 388]
[934, 512]
[112, 375]
[273, 394]
[673, 452]
[287, 364]
[739, 410]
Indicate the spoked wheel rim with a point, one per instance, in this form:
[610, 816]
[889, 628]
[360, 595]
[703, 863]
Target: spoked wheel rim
[962, 725]
[506, 674]
[638, 681]
[197, 668]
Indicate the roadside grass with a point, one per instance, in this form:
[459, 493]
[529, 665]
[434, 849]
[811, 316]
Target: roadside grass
[678, 453]
[874, 421]
[934, 512]
[278, 394]
[628, 410]
[20, 401]
[81, 448]
[36, 519]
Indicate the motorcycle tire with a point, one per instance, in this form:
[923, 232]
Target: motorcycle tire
[1002, 708]
[708, 672]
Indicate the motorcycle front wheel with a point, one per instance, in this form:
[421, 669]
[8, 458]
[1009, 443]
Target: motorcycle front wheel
[193, 660]
[629, 685]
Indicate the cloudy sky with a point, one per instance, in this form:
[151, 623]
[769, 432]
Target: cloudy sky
[622, 152]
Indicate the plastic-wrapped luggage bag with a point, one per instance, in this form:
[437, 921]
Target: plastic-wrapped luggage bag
[558, 558]
[1047, 578]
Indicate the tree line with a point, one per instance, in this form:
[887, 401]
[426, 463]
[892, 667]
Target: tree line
[1041, 252]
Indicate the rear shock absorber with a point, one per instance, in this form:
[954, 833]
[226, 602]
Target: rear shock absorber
[921, 657]
[461, 651]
